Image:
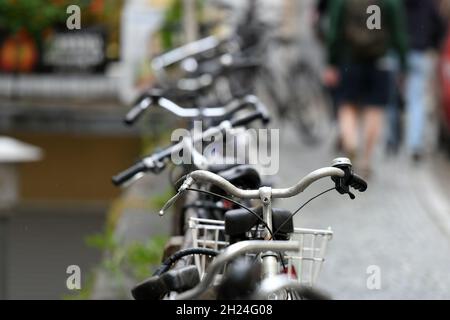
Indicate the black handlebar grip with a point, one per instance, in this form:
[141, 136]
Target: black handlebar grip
[138, 110]
[129, 173]
[151, 289]
[358, 183]
[246, 119]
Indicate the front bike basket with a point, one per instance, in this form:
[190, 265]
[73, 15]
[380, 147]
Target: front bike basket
[305, 265]
[208, 234]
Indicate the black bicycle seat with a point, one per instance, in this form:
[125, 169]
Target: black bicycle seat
[239, 221]
[217, 168]
[242, 176]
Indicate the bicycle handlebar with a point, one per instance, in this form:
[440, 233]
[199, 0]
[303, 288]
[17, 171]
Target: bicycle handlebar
[341, 173]
[191, 49]
[154, 97]
[138, 110]
[129, 173]
[209, 177]
[155, 162]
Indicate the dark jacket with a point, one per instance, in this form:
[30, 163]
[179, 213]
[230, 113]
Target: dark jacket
[426, 28]
[337, 46]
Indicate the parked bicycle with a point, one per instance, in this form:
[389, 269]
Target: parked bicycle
[260, 246]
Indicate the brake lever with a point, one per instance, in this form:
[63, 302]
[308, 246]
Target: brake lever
[186, 184]
[343, 183]
[342, 187]
[169, 203]
[351, 195]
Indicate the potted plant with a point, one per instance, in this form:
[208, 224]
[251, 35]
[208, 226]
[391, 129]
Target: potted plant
[23, 24]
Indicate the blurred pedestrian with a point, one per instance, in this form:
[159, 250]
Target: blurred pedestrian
[394, 110]
[357, 51]
[426, 31]
[321, 18]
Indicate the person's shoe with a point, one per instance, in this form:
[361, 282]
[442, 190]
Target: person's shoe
[392, 148]
[417, 157]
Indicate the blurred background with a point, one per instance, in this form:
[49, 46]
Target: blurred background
[64, 92]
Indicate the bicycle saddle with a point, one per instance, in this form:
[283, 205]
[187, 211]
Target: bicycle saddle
[239, 221]
[243, 176]
[217, 168]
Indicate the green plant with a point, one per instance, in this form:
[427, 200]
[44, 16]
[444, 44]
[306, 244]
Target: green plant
[123, 261]
[136, 257]
[86, 291]
[133, 260]
[158, 201]
[171, 28]
[141, 256]
[33, 15]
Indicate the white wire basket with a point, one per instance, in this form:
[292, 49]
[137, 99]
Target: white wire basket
[303, 266]
[206, 234]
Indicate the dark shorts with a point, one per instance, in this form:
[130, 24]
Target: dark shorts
[364, 84]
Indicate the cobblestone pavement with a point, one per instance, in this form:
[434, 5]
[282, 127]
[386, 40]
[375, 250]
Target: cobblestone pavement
[401, 224]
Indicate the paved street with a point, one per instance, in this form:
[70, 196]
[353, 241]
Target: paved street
[401, 224]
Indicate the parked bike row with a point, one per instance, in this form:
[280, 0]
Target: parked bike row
[228, 240]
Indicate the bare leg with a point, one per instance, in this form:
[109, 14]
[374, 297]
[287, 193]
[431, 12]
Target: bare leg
[348, 125]
[373, 124]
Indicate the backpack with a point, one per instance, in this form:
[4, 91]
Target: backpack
[364, 43]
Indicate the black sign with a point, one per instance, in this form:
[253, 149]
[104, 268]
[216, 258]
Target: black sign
[75, 51]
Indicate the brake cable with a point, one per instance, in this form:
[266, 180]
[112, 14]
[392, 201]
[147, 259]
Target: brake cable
[272, 234]
[236, 203]
[301, 207]
[167, 264]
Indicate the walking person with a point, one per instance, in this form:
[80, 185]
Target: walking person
[426, 31]
[357, 54]
[394, 109]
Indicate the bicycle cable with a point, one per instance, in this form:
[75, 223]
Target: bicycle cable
[272, 234]
[167, 264]
[301, 207]
[236, 203]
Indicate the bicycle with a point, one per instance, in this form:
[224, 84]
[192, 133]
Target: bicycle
[272, 228]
